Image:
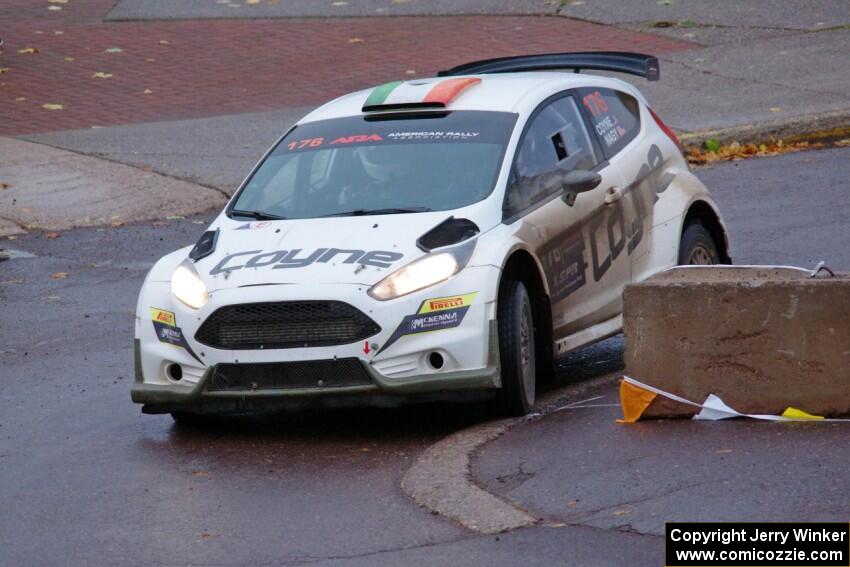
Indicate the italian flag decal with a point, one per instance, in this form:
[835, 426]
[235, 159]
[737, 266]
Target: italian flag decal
[400, 94]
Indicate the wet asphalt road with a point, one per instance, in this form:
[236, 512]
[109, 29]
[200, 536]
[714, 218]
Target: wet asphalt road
[87, 480]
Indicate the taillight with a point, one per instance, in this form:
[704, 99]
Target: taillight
[667, 130]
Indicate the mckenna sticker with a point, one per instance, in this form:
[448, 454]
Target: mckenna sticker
[167, 331]
[433, 315]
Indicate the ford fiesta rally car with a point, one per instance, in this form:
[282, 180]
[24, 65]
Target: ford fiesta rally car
[427, 237]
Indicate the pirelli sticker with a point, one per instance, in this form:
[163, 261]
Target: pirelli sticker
[433, 315]
[167, 331]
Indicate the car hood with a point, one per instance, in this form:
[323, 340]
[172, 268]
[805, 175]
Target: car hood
[356, 250]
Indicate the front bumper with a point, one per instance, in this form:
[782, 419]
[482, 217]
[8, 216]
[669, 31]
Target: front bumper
[163, 398]
[394, 373]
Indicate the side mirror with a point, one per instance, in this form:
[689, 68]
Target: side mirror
[579, 181]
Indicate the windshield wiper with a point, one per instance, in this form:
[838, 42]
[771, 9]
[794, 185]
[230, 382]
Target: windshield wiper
[256, 215]
[389, 211]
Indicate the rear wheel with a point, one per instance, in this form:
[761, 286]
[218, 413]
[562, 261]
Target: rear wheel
[697, 248]
[516, 349]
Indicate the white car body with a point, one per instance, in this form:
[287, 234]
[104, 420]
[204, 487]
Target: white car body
[577, 259]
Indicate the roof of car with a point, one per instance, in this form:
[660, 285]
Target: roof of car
[505, 92]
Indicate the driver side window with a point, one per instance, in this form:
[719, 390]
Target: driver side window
[555, 141]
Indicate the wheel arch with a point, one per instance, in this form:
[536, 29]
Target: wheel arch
[521, 265]
[705, 214]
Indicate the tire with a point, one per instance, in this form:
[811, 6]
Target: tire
[697, 248]
[516, 350]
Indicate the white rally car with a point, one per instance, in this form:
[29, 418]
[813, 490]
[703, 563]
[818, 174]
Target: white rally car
[449, 235]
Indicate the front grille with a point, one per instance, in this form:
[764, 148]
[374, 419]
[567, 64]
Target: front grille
[288, 375]
[285, 324]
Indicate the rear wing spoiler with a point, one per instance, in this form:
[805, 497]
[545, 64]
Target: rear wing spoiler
[645, 66]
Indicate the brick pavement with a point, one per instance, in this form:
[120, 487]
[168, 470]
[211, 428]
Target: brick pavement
[202, 68]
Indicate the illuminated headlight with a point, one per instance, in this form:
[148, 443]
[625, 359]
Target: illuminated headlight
[424, 272]
[186, 285]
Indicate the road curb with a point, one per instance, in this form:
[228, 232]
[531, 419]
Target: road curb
[441, 478]
[811, 127]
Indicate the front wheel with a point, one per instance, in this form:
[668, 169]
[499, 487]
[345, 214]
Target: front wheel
[516, 349]
[697, 248]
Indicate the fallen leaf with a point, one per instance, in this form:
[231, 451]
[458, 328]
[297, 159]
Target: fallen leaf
[775, 109]
[163, 42]
[736, 151]
[101, 75]
[621, 512]
[252, 2]
[147, 91]
[842, 143]
[58, 32]
[69, 59]
[117, 224]
[54, 8]
[5, 186]
[5, 70]
[410, 72]
[200, 473]
[28, 50]
[52, 106]
[339, 3]
[712, 145]
[355, 40]
[557, 525]
[59, 275]
[723, 451]
[20, 99]
[57, 1]
[51, 235]
[150, 60]
[113, 50]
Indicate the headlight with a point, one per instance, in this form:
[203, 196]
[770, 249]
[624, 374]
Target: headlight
[186, 285]
[424, 272]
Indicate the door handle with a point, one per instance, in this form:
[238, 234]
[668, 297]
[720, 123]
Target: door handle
[613, 194]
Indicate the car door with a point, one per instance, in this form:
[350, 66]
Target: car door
[578, 244]
[614, 118]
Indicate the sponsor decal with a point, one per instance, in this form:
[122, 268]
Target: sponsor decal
[611, 234]
[433, 315]
[443, 303]
[163, 316]
[564, 264]
[167, 331]
[297, 258]
[253, 225]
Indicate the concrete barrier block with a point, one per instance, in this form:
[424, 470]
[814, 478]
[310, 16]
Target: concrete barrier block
[760, 338]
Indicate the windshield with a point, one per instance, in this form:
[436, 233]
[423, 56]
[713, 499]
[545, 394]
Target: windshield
[364, 165]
